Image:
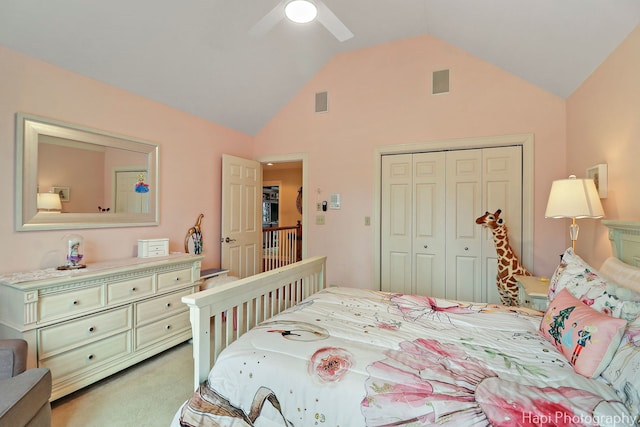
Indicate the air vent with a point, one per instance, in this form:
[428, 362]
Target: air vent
[322, 102]
[440, 82]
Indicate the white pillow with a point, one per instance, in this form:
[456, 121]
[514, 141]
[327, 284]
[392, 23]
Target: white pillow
[593, 289]
[623, 274]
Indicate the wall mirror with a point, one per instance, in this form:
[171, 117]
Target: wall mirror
[68, 176]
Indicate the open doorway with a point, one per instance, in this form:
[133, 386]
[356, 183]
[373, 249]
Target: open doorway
[282, 213]
[270, 203]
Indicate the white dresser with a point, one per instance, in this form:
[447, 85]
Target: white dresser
[88, 324]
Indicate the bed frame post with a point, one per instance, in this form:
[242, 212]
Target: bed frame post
[201, 332]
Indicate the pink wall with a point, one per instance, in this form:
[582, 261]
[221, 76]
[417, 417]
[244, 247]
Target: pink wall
[603, 126]
[381, 96]
[377, 96]
[190, 152]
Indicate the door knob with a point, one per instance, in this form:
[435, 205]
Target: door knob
[228, 240]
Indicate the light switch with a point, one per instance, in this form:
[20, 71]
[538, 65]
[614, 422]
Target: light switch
[367, 220]
[319, 219]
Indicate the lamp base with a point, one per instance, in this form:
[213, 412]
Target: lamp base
[573, 233]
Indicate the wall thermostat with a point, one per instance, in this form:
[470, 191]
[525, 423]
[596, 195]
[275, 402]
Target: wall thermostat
[334, 201]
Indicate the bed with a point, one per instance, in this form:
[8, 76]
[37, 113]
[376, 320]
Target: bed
[299, 354]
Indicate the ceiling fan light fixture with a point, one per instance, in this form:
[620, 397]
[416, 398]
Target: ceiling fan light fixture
[301, 11]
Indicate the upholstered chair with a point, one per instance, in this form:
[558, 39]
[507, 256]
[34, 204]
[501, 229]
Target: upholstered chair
[24, 393]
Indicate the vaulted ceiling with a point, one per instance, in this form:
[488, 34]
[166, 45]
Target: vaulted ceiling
[199, 56]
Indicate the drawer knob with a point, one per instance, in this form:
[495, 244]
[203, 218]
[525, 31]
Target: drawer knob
[168, 304]
[91, 328]
[167, 327]
[134, 289]
[177, 279]
[76, 302]
[90, 357]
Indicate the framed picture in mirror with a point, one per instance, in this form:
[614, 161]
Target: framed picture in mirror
[63, 192]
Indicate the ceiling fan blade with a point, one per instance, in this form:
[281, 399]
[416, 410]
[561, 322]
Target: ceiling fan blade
[332, 23]
[269, 21]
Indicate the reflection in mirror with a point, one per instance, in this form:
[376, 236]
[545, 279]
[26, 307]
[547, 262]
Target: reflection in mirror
[103, 179]
[89, 172]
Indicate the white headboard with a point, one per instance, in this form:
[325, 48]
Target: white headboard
[625, 240]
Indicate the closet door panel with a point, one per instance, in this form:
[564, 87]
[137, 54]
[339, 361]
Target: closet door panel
[467, 271]
[396, 223]
[399, 272]
[502, 189]
[464, 245]
[429, 237]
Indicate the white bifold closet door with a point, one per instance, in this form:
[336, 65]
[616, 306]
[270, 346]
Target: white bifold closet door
[430, 242]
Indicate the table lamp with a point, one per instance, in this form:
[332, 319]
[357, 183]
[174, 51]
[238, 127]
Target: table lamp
[48, 202]
[574, 198]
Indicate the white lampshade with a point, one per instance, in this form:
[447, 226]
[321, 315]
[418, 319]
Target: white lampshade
[574, 198]
[49, 202]
[301, 11]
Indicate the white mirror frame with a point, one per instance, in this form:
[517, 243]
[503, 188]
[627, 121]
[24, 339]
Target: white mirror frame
[28, 130]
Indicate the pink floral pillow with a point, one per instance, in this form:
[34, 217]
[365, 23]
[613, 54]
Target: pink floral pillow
[588, 339]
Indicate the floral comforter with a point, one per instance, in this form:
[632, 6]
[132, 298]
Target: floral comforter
[348, 357]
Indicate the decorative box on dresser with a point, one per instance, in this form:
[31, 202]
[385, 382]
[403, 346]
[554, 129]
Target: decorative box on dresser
[88, 324]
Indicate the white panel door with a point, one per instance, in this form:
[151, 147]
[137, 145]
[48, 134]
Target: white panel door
[502, 189]
[396, 223]
[464, 245]
[241, 232]
[127, 199]
[429, 219]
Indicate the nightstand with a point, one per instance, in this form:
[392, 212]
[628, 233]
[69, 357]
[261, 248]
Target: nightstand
[213, 277]
[533, 292]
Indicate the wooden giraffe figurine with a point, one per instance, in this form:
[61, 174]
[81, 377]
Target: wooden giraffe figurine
[508, 262]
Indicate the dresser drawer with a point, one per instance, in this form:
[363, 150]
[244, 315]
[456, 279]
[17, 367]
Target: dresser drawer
[68, 303]
[129, 290]
[88, 356]
[158, 331]
[81, 331]
[174, 278]
[161, 306]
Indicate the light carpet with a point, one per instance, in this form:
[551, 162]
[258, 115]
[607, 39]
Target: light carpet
[146, 394]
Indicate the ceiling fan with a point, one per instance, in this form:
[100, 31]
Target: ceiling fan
[315, 9]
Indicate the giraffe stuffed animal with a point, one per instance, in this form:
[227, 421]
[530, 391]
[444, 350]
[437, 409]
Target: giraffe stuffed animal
[508, 262]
